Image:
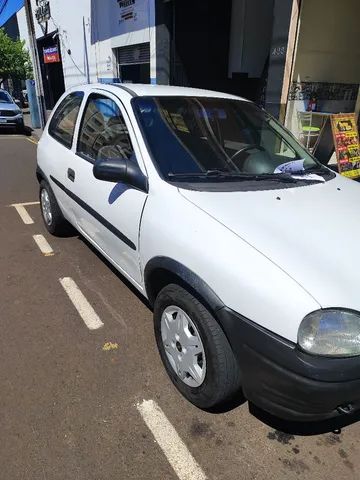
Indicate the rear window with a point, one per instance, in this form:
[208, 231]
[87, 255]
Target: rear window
[63, 122]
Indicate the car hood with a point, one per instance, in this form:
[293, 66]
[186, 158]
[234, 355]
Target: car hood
[8, 106]
[311, 232]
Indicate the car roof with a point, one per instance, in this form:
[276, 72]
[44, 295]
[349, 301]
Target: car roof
[142, 90]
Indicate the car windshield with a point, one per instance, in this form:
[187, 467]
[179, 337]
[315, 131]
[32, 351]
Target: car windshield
[5, 98]
[218, 138]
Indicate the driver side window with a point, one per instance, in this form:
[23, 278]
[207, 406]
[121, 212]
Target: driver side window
[103, 132]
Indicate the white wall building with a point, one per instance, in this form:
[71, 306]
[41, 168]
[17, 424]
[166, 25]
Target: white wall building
[98, 41]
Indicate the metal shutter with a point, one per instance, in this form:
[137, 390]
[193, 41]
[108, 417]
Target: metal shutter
[134, 54]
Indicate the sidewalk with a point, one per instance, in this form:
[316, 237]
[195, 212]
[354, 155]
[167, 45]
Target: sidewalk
[35, 132]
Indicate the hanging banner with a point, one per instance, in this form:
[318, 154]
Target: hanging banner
[346, 141]
[117, 17]
[51, 54]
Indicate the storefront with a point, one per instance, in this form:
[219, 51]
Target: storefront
[235, 46]
[325, 72]
[49, 52]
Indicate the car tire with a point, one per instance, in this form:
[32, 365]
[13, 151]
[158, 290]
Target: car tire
[219, 381]
[54, 220]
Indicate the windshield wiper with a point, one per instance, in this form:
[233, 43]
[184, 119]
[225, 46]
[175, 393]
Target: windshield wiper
[280, 177]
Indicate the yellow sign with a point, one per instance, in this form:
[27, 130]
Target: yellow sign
[346, 141]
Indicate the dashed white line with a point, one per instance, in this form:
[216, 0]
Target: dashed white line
[43, 244]
[20, 208]
[175, 450]
[25, 217]
[85, 310]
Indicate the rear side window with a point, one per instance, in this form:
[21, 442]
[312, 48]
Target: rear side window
[63, 122]
[103, 131]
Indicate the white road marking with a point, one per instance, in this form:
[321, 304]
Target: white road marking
[86, 311]
[32, 140]
[20, 208]
[25, 217]
[175, 450]
[24, 204]
[43, 244]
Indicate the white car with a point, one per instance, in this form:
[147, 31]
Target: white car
[238, 238]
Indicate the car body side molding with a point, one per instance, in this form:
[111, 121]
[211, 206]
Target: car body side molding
[95, 214]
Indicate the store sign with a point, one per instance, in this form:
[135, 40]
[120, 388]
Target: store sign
[346, 141]
[42, 11]
[118, 17]
[51, 54]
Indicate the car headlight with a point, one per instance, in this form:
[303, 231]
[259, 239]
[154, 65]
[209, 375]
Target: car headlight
[331, 332]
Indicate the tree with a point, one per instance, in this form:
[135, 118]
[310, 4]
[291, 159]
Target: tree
[15, 60]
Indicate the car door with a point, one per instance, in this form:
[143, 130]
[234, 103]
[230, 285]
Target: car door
[108, 213]
[55, 156]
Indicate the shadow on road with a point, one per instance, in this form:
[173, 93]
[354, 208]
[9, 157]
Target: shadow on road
[287, 427]
[115, 272]
[304, 428]
[27, 132]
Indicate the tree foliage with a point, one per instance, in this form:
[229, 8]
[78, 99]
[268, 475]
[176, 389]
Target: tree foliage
[15, 59]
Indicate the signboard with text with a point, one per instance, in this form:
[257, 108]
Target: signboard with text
[346, 141]
[42, 11]
[51, 54]
[118, 17]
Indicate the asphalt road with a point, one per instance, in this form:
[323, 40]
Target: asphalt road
[72, 399]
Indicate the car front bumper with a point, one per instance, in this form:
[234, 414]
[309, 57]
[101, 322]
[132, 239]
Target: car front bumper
[15, 121]
[285, 381]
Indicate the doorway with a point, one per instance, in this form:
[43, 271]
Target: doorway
[51, 68]
[134, 63]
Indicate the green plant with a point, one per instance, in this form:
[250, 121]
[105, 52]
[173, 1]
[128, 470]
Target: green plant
[15, 59]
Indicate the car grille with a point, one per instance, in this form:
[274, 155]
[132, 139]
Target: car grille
[7, 113]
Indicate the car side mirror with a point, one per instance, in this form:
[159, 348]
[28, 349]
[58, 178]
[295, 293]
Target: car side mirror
[120, 170]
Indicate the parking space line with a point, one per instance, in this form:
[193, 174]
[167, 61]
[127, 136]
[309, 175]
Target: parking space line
[20, 208]
[85, 310]
[25, 217]
[43, 245]
[175, 450]
[24, 204]
[32, 140]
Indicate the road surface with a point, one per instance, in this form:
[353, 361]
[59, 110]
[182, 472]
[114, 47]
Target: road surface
[88, 403]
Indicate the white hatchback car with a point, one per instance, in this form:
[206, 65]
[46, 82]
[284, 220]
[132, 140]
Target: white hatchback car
[230, 229]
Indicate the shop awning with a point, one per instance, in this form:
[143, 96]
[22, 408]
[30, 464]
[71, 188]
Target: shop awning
[8, 8]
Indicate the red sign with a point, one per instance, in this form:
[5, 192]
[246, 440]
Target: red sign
[51, 54]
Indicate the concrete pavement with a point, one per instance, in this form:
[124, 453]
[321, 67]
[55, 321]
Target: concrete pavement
[72, 399]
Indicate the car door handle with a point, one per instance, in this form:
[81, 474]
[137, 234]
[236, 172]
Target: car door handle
[71, 174]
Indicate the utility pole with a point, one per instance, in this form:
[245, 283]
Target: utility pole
[36, 62]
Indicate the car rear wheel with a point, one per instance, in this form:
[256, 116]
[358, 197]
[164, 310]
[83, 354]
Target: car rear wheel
[195, 352]
[54, 220]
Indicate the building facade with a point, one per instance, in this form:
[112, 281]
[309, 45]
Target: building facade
[92, 41]
[274, 52]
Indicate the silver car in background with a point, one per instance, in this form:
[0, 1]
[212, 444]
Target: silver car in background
[10, 113]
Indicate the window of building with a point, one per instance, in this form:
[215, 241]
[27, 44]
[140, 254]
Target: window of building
[103, 132]
[63, 122]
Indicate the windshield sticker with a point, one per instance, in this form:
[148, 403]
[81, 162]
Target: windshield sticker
[294, 166]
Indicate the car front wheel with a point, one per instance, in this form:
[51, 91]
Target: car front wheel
[194, 349]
